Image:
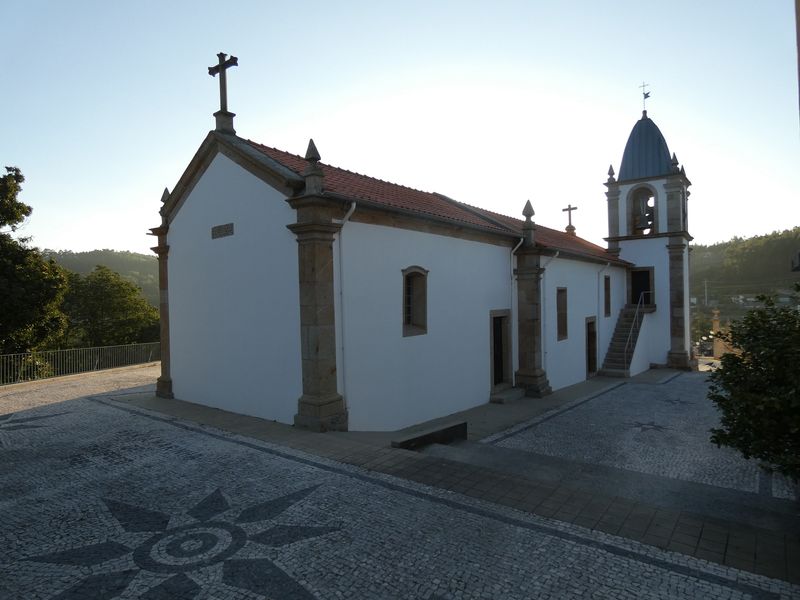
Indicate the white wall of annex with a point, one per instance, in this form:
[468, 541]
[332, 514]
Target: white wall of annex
[565, 360]
[234, 301]
[390, 381]
[655, 338]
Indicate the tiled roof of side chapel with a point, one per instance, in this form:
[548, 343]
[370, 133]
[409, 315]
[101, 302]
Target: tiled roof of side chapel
[356, 186]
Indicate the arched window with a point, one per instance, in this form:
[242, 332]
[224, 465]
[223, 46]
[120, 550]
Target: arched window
[642, 212]
[415, 301]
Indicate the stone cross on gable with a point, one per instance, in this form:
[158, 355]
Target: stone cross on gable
[224, 118]
[224, 64]
[568, 210]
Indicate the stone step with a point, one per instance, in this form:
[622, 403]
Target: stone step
[746, 508]
[614, 371]
[442, 433]
[507, 396]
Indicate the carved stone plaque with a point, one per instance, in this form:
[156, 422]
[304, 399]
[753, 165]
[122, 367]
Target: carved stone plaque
[219, 231]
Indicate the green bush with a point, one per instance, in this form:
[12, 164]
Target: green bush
[757, 388]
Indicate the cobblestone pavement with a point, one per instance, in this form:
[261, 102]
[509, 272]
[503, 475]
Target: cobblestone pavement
[656, 429]
[20, 396]
[103, 500]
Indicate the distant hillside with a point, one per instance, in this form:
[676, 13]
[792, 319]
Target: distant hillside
[744, 267]
[140, 269]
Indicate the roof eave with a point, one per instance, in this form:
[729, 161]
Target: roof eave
[585, 256]
[420, 215]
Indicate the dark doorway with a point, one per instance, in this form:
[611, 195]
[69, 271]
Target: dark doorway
[591, 346]
[498, 360]
[641, 283]
[500, 349]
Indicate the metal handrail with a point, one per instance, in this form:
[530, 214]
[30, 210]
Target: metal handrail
[634, 325]
[31, 366]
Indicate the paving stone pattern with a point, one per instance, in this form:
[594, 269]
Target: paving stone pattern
[106, 501]
[655, 429]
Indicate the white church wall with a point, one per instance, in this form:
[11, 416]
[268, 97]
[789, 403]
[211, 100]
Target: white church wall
[234, 301]
[653, 253]
[565, 360]
[641, 359]
[390, 381]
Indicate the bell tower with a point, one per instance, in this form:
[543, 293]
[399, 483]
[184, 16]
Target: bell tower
[648, 226]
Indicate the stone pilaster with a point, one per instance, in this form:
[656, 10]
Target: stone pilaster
[531, 375]
[678, 356]
[612, 196]
[321, 407]
[675, 189]
[164, 382]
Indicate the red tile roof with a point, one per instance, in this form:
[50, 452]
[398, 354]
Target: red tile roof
[552, 238]
[362, 187]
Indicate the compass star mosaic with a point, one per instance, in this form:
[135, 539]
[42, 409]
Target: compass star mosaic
[211, 534]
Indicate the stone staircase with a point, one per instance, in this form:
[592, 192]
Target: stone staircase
[616, 363]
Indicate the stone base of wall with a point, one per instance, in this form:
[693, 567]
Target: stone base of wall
[679, 360]
[534, 383]
[321, 413]
[164, 388]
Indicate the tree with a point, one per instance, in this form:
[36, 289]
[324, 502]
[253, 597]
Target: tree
[31, 287]
[104, 309]
[757, 388]
[12, 211]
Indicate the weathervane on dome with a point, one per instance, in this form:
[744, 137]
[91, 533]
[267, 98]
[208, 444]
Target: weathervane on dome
[645, 95]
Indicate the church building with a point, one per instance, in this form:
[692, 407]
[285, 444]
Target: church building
[305, 293]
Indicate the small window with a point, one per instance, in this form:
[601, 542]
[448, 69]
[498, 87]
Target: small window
[415, 301]
[561, 310]
[607, 296]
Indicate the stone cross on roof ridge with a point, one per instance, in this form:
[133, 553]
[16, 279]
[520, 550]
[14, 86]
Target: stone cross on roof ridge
[568, 210]
[224, 118]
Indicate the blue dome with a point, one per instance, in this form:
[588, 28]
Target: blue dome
[646, 153]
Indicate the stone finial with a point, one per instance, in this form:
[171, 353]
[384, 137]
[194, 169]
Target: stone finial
[674, 163]
[313, 173]
[312, 154]
[163, 210]
[527, 227]
[611, 174]
[527, 212]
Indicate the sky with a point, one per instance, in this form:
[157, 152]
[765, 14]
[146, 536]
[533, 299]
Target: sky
[490, 103]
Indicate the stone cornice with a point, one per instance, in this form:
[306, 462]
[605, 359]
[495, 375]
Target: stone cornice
[161, 250]
[314, 231]
[624, 238]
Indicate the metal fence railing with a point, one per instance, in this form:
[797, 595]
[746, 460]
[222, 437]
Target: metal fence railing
[29, 366]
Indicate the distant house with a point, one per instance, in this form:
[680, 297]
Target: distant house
[310, 294]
